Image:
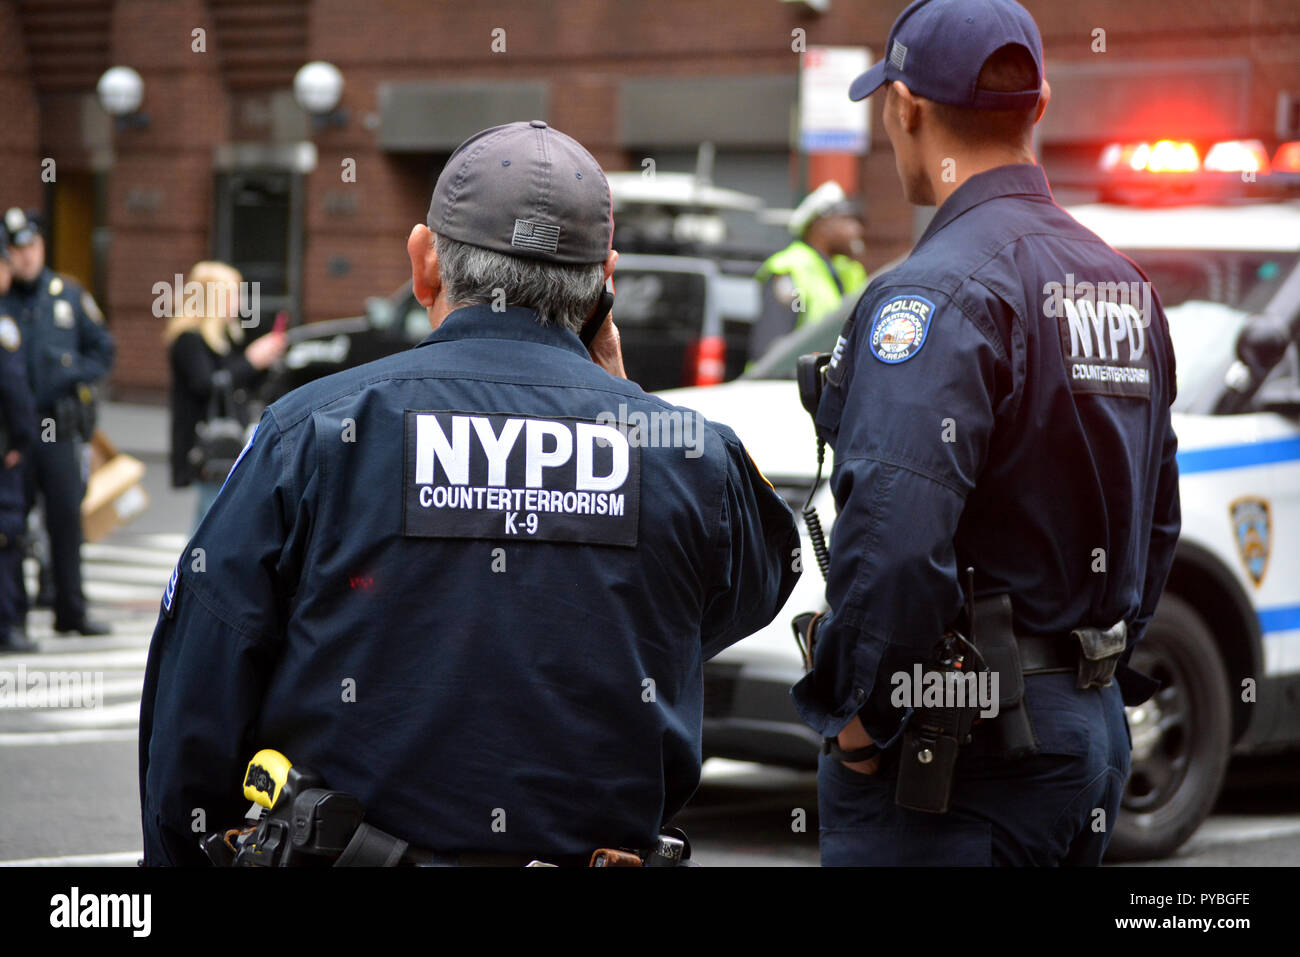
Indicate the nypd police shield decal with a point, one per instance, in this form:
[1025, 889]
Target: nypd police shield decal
[1252, 528]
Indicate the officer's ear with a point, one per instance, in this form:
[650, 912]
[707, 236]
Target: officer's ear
[905, 106]
[426, 281]
[1044, 95]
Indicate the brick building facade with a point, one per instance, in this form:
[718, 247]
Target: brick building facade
[223, 156]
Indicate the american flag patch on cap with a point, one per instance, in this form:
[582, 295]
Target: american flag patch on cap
[897, 55]
[541, 237]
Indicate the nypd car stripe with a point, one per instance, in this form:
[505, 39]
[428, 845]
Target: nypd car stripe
[1238, 456]
[1282, 618]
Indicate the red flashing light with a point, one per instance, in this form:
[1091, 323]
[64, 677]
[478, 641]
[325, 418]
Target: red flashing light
[1287, 158]
[711, 361]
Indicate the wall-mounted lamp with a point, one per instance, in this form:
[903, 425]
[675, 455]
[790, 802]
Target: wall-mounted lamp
[318, 87]
[121, 91]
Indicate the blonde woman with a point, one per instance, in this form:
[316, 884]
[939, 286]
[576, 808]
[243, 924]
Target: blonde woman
[206, 346]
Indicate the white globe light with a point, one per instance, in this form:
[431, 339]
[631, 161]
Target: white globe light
[318, 87]
[120, 91]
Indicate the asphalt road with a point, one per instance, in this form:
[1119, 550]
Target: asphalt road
[69, 792]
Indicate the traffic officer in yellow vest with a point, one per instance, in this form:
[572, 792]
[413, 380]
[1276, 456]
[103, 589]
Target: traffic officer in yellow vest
[809, 278]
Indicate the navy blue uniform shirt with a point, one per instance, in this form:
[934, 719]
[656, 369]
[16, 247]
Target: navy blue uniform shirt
[444, 581]
[17, 411]
[63, 336]
[1002, 402]
[18, 418]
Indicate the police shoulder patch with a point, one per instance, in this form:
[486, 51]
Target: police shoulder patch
[91, 308]
[10, 337]
[899, 329]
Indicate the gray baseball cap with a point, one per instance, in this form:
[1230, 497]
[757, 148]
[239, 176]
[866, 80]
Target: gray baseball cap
[525, 190]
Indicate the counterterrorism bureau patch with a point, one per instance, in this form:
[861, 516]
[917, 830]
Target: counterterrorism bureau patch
[900, 327]
[519, 477]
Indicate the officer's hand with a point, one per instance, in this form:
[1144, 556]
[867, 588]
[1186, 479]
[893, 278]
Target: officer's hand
[12, 458]
[607, 349]
[855, 736]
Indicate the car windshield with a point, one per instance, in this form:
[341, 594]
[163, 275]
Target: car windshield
[1207, 295]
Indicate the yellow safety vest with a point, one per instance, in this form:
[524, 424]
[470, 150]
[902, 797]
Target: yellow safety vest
[812, 280]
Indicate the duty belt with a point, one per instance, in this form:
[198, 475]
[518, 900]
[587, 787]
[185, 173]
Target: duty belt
[1090, 653]
[1041, 656]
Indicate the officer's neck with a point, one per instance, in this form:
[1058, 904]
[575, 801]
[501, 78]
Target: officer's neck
[966, 164]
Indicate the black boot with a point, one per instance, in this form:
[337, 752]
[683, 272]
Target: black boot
[14, 640]
[86, 626]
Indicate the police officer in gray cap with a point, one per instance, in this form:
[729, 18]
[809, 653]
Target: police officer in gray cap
[451, 581]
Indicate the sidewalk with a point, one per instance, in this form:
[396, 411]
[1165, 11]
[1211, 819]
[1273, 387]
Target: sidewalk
[136, 428]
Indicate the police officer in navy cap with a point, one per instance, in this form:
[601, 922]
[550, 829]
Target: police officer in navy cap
[17, 436]
[68, 350]
[991, 407]
[473, 583]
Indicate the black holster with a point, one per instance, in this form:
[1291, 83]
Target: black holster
[1011, 733]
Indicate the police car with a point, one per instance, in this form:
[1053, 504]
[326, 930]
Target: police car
[1226, 638]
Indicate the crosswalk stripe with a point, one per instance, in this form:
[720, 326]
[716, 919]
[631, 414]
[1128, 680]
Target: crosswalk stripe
[110, 859]
[19, 739]
[123, 580]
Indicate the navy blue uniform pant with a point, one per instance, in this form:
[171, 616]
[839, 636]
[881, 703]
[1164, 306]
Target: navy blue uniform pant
[12, 525]
[55, 471]
[1057, 807]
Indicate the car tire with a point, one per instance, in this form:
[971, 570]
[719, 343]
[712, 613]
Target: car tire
[1181, 737]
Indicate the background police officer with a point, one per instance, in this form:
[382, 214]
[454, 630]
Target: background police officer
[445, 582]
[17, 436]
[67, 349]
[974, 426]
[810, 277]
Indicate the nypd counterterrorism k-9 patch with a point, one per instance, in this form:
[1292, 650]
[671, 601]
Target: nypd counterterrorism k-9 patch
[900, 327]
[519, 477]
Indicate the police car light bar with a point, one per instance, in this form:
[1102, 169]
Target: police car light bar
[1181, 156]
[1162, 156]
[1237, 156]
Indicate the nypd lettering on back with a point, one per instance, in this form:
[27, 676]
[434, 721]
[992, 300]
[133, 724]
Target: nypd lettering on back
[1103, 338]
[519, 477]
[900, 328]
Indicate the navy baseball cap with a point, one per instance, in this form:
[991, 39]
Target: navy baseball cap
[21, 227]
[525, 189]
[938, 47]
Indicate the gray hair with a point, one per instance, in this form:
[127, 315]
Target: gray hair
[563, 295]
